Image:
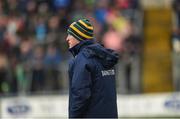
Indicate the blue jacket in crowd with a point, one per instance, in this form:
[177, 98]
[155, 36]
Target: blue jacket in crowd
[92, 90]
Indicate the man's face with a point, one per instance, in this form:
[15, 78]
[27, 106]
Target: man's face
[71, 41]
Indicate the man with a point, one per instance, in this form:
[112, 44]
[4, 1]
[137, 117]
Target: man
[92, 90]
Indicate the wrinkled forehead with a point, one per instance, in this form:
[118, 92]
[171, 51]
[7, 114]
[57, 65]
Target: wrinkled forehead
[69, 36]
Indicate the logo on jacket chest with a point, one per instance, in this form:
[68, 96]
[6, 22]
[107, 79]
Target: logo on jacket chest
[108, 72]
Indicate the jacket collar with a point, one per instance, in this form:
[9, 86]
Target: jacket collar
[77, 48]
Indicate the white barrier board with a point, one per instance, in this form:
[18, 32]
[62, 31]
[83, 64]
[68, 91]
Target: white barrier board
[152, 105]
[39, 107]
[34, 107]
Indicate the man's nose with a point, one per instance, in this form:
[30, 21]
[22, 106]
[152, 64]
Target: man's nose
[67, 39]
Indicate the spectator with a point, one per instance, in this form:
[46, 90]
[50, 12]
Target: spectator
[4, 75]
[176, 7]
[23, 68]
[113, 40]
[38, 71]
[40, 30]
[52, 62]
[176, 32]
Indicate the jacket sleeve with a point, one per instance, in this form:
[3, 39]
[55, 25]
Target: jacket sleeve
[80, 90]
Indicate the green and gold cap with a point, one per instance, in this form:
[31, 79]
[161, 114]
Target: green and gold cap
[81, 30]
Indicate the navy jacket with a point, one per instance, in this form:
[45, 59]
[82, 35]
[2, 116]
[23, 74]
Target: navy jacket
[92, 89]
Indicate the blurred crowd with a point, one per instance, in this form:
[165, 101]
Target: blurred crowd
[176, 29]
[33, 32]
